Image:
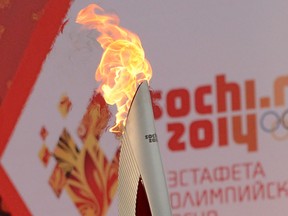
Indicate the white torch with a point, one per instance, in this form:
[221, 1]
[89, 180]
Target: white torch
[124, 70]
[140, 156]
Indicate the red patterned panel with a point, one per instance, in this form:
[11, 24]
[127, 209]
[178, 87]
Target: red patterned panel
[20, 43]
[17, 22]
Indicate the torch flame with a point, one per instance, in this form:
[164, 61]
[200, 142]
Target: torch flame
[123, 65]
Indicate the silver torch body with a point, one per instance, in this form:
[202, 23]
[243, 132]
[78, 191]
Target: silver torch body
[140, 157]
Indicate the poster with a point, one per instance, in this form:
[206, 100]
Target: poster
[220, 89]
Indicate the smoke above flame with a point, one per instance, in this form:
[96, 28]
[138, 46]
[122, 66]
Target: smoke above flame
[123, 65]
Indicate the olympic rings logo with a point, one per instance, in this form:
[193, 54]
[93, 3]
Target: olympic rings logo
[275, 124]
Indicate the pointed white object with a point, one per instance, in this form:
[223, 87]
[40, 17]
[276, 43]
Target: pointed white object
[140, 156]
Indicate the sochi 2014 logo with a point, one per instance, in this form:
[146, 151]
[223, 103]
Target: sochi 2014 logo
[232, 116]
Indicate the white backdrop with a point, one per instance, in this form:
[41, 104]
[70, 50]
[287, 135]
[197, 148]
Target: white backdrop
[210, 170]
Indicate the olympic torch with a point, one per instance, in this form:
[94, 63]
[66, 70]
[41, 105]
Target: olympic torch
[124, 73]
[140, 157]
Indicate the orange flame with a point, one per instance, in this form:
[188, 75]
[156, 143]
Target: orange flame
[123, 65]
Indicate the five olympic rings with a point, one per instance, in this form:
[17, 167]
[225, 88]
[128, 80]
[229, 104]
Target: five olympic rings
[271, 122]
